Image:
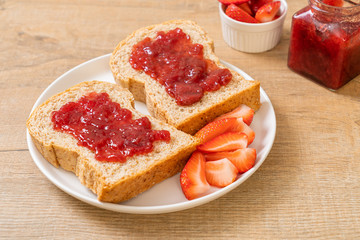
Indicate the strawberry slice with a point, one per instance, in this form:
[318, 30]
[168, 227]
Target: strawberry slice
[242, 111]
[335, 3]
[276, 17]
[256, 4]
[220, 173]
[228, 2]
[215, 128]
[242, 127]
[192, 178]
[267, 12]
[238, 14]
[246, 7]
[225, 142]
[243, 159]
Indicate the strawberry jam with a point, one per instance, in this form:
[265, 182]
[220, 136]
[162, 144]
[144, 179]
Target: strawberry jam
[104, 127]
[179, 65]
[325, 43]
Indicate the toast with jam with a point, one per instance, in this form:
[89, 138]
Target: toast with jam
[93, 130]
[173, 69]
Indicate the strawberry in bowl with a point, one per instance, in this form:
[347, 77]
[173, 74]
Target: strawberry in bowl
[252, 11]
[254, 25]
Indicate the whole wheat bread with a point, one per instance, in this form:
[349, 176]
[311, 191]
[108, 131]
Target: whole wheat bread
[163, 107]
[112, 182]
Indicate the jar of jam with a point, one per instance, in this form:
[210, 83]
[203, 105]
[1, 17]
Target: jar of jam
[325, 43]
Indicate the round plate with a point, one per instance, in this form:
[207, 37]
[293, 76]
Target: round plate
[166, 196]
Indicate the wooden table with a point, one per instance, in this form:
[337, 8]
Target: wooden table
[308, 187]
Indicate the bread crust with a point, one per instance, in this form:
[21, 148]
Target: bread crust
[104, 178]
[195, 122]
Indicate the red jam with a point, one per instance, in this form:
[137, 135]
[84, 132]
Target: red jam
[179, 65]
[325, 43]
[104, 127]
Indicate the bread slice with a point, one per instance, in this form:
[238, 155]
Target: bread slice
[112, 182]
[186, 118]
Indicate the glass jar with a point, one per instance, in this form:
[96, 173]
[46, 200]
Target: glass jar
[325, 43]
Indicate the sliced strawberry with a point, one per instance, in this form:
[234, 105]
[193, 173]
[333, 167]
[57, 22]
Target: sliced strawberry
[238, 14]
[335, 3]
[256, 4]
[243, 159]
[267, 12]
[276, 17]
[242, 127]
[220, 173]
[215, 128]
[246, 7]
[225, 142]
[192, 178]
[242, 111]
[228, 2]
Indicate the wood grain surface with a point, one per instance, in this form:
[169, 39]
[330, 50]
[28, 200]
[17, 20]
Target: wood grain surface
[308, 187]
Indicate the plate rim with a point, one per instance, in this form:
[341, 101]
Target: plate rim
[118, 207]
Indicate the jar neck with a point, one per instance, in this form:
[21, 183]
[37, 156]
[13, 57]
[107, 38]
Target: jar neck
[328, 13]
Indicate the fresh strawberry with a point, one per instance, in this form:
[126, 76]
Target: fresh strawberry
[256, 4]
[276, 17]
[215, 128]
[267, 12]
[246, 7]
[225, 142]
[192, 178]
[238, 14]
[220, 173]
[335, 3]
[228, 2]
[243, 159]
[242, 127]
[242, 111]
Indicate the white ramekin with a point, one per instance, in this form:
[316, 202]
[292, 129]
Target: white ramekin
[252, 37]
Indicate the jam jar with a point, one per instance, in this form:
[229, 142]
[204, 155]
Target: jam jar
[325, 43]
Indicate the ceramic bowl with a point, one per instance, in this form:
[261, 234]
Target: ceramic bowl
[252, 37]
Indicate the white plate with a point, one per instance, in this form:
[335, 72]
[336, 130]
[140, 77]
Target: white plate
[167, 195]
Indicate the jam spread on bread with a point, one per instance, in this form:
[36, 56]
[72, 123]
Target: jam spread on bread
[179, 65]
[104, 127]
